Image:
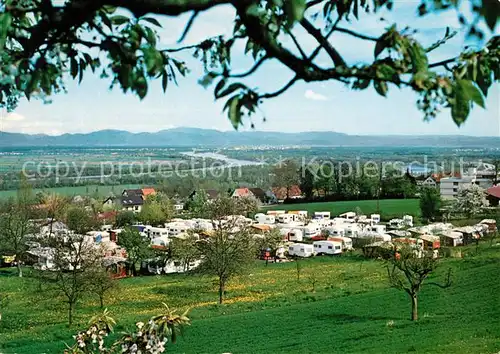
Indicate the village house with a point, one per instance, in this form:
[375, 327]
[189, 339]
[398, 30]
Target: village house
[281, 193]
[493, 195]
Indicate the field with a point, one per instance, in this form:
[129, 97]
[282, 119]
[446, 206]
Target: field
[101, 190]
[389, 208]
[350, 308]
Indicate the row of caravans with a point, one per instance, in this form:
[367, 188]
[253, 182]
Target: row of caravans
[332, 246]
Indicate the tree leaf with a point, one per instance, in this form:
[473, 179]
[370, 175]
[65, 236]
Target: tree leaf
[164, 81]
[119, 19]
[152, 20]
[381, 87]
[294, 10]
[231, 88]
[419, 59]
[460, 106]
[380, 45]
[471, 92]
[74, 67]
[220, 85]
[491, 12]
[234, 112]
[5, 21]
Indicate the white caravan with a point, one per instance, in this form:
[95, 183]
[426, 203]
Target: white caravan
[336, 231]
[375, 218]
[265, 219]
[327, 247]
[296, 235]
[301, 250]
[346, 242]
[322, 215]
[312, 230]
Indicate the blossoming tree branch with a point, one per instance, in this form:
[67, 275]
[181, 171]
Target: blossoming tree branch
[44, 43]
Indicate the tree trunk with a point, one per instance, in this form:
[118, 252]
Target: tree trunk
[101, 300]
[221, 291]
[414, 307]
[19, 269]
[70, 313]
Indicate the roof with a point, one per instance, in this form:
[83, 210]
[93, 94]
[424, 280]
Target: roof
[106, 215]
[148, 191]
[242, 192]
[130, 192]
[131, 200]
[262, 227]
[280, 192]
[494, 191]
[259, 193]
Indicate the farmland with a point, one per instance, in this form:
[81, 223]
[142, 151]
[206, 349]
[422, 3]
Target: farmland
[389, 207]
[338, 304]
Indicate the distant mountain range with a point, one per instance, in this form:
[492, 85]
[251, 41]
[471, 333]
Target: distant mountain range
[184, 137]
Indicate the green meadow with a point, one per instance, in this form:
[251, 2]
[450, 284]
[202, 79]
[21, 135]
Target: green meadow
[336, 305]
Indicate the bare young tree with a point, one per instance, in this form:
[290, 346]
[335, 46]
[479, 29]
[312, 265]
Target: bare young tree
[15, 225]
[75, 259]
[230, 248]
[102, 283]
[407, 270]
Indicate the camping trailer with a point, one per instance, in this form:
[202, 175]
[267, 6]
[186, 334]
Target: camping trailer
[295, 235]
[375, 218]
[301, 250]
[322, 215]
[265, 219]
[311, 230]
[327, 247]
[346, 242]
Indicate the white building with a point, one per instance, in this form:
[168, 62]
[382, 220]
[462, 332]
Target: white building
[450, 186]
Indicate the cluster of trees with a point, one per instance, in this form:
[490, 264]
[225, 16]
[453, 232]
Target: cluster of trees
[328, 180]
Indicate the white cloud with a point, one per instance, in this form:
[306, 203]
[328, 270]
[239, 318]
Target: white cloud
[311, 95]
[14, 117]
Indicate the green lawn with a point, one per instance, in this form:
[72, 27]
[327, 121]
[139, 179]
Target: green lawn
[100, 190]
[350, 310]
[389, 208]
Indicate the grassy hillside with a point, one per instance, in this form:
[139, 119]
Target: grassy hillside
[389, 207]
[351, 309]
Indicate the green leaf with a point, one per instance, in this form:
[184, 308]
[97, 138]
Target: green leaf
[460, 106]
[164, 81]
[380, 46]
[119, 19]
[5, 21]
[491, 12]
[418, 57]
[294, 10]
[74, 67]
[381, 87]
[231, 88]
[152, 20]
[234, 112]
[220, 85]
[150, 36]
[471, 92]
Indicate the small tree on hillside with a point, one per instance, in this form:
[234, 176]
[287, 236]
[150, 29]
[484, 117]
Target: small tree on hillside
[125, 218]
[307, 182]
[75, 258]
[430, 203]
[407, 271]
[137, 247]
[230, 248]
[184, 250]
[286, 175]
[197, 204]
[102, 283]
[80, 220]
[470, 200]
[15, 225]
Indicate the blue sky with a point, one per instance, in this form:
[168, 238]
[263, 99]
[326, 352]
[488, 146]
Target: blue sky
[306, 107]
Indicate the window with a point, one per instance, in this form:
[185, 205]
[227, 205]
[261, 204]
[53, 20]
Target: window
[337, 247]
[455, 190]
[330, 247]
[455, 183]
[136, 207]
